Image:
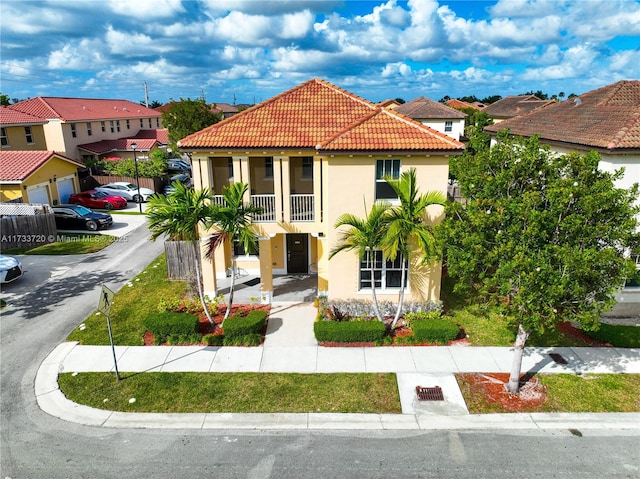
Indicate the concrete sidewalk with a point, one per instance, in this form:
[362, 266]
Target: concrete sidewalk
[290, 347]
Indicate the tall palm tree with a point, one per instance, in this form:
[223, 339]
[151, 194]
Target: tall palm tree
[408, 228]
[178, 217]
[365, 236]
[233, 223]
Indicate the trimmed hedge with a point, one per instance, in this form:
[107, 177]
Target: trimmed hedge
[434, 330]
[349, 331]
[238, 326]
[166, 324]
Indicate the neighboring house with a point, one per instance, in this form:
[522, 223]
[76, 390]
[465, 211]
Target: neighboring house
[37, 176]
[606, 120]
[71, 122]
[436, 115]
[512, 106]
[145, 141]
[309, 155]
[462, 105]
[390, 104]
[21, 131]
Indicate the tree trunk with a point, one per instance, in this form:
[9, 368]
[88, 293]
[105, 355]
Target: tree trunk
[233, 283]
[400, 296]
[513, 386]
[200, 291]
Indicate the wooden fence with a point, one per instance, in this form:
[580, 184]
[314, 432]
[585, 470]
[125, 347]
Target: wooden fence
[91, 181]
[27, 231]
[181, 259]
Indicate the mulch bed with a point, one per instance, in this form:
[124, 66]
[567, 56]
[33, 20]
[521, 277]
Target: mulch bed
[491, 387]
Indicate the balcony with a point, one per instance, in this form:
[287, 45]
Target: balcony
[268, 205]
[302, 208]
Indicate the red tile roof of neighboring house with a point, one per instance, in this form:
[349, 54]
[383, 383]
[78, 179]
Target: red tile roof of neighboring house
[511, 106]
[608, 118]
[160, 134]
[121, 144]
[83, 109]
[317, 114]
[389, 103]
[458, 104]
[19, 165]
[423, 108]
[11, 117]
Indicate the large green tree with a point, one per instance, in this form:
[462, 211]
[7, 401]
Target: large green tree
[233, 223]
[544, 236]
[364, 236]
[179, 217]
[184, 117]
[409, 228]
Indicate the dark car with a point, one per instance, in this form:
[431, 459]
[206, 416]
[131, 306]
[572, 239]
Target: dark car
[98, 199]
[182, 178]
[73, 217]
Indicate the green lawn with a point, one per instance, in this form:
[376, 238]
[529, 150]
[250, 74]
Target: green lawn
[235, 392]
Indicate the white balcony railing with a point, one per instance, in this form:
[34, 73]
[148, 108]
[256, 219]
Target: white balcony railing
[302, 207]
[268, 205]
[219, 200]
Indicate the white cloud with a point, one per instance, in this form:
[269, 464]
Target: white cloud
[526, 8]
[575, 62]
[133, 44]
[394, 69]
[76, 56]
[147, 9]
[296, 25]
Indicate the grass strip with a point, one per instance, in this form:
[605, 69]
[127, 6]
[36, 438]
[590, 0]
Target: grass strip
[192, 392]
[618, 335]
[69, 243]
[568, 393]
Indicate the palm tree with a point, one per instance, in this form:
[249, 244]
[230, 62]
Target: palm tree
[178, 216]
[408, 228]
[233, 222]
[365, 236]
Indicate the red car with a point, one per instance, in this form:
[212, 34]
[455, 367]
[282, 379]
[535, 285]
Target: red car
[98, 199]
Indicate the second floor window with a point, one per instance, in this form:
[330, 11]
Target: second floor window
[128, 125]
[307, 168]
[448, 126]
[28, 135]
[4, 140]
[118, 125]
[89, 131]
[74, 133]
[102, 126]
[268, 168]
[150, 123]
[386, 168]
[111, 125]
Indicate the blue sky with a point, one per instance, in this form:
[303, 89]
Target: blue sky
[249, 51]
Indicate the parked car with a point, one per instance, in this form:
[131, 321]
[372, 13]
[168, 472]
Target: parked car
[178, 165]
[72, 217]
[98, 199]
[128, 191]
[10, 269]
[182, 178]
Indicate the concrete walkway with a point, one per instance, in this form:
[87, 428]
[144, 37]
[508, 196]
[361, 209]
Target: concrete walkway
[290, 347]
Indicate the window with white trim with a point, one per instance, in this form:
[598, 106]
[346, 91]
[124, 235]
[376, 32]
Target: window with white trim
[28, 135]
[111, 125]
[4, 139]
[74, 133]
[387, 273]
[89, 130]
[128, 124]
[268, 168]
[307, 168]
[238, 249]
[118, 125]
[448, 125]
[102, 126]
[386, 168]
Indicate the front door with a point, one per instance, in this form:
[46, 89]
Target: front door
[297, 253]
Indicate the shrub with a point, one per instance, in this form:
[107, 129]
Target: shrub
[435, 330]
[409, 318]
[163, 325]
[347, 332]
[246, 340]
[345, 309]
[252, 323]
[213, 339]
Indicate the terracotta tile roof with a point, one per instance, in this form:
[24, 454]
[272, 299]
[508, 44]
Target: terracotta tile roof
[388, 103]
[423, 108]
[511, 106]
[160, 134]
[317, 113]
[608, 117]
[83, 109]
[19, 165]
[11, 117]
[121, 144]
[458, 104]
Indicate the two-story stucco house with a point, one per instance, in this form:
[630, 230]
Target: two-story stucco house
[71, 123]
[21, 131]
[309, 155]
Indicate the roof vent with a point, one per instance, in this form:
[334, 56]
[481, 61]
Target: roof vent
[577, 102]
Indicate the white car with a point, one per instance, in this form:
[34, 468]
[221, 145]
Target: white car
[10, 269]
[126, 190]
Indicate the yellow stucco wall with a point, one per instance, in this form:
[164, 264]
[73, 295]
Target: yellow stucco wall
[17, 138]
[10, 192]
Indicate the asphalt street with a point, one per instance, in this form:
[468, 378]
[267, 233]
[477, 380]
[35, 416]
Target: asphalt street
[36, 445]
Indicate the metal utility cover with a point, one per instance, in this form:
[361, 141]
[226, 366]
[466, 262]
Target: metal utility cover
[429, 393]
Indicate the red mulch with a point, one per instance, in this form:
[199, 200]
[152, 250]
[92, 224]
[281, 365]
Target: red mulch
[491, 388]
[567, 328]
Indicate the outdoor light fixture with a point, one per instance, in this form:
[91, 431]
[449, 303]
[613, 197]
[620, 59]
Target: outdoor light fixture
[134, 145]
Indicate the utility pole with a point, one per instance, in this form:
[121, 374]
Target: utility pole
[146, 95]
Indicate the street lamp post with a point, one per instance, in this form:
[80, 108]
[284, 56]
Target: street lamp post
[135, 162]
